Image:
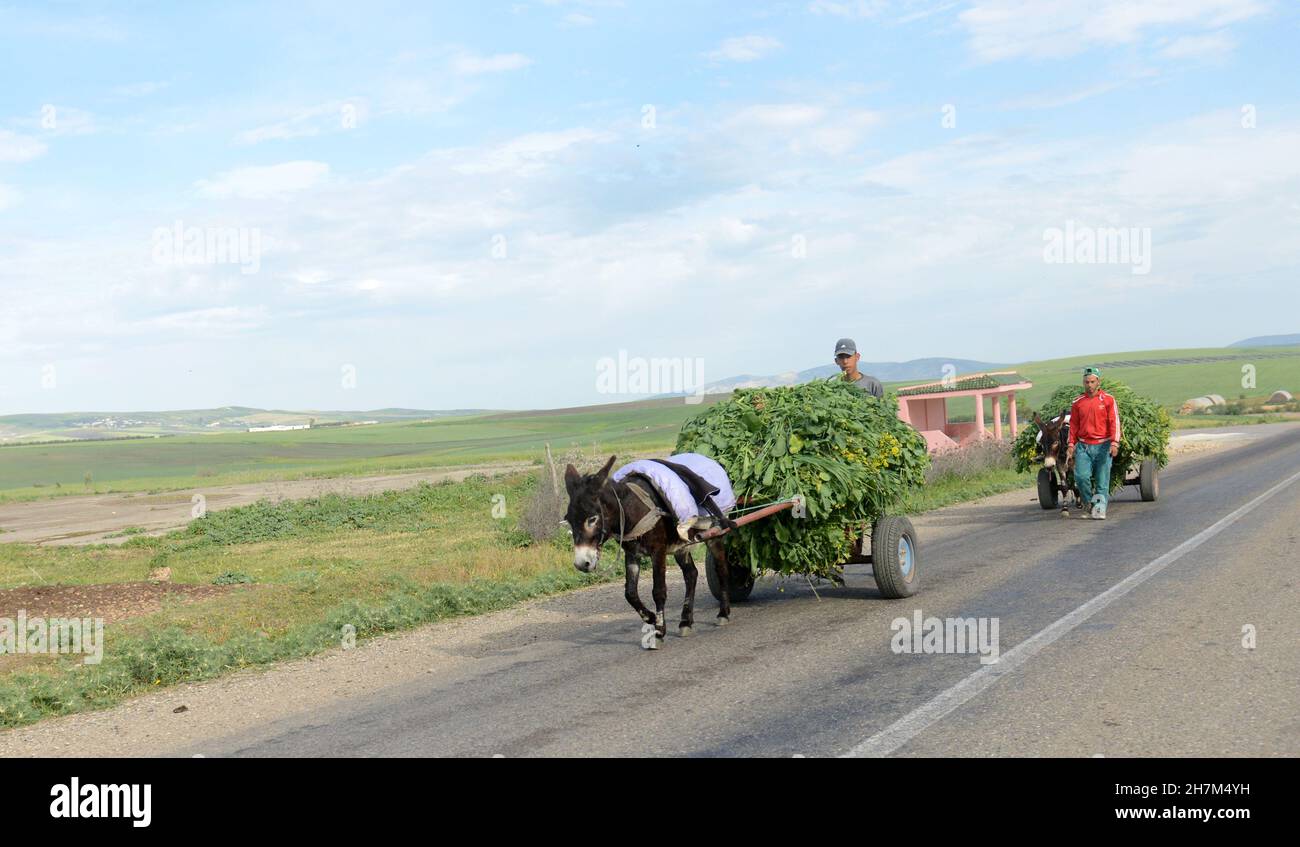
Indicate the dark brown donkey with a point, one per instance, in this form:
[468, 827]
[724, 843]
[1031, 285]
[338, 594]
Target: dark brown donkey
[1054, 436]
[633, 512]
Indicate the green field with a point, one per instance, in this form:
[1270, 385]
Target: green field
[1172, 384]
[29, 471]
[1168, 383]
[186, 461]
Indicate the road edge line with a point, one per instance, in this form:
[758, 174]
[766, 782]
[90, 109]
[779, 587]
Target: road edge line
[899, 733]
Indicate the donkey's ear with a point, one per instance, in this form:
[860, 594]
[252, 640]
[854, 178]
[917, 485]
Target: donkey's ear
[1038, 420]
[571, 478]
[603, 473]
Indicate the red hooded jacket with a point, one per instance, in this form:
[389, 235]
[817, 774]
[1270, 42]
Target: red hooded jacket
[1094, 419]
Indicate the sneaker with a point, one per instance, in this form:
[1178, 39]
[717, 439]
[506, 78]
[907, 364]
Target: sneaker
[1099, 512]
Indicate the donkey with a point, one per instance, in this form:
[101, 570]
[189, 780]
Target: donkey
[1054, 439]
[632, 511]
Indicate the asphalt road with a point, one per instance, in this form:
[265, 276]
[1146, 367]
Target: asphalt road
[1156, 666]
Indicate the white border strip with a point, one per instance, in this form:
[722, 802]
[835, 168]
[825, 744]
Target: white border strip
[917, 721]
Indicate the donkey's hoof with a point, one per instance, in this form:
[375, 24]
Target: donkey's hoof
[649, 637]
[684, 632]
[723, 621]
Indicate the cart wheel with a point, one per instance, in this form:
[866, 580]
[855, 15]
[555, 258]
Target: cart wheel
[1149, 480]
[742, 579]
[1048, 496]
[895, 557]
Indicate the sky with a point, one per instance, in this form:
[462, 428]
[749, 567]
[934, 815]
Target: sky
[451, 205]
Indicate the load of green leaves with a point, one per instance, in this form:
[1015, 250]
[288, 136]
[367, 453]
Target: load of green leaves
[1145, 430]
[845, 452]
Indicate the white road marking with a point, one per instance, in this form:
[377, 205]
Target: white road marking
[917, 721]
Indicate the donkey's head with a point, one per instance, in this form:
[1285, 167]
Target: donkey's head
[587, 516]
[1051, 438]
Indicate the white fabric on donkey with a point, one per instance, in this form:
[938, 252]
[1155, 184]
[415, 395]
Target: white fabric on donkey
[675, 491]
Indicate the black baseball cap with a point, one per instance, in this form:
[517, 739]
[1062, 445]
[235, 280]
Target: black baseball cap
[845, 346]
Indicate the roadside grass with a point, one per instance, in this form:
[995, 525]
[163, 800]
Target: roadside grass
[980, 469]
[951, 489]
[378, 563]
[1215, 421]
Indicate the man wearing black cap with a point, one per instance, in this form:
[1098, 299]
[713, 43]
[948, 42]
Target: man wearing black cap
[847, 356]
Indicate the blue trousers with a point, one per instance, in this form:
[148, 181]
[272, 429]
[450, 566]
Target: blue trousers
[1092, 471]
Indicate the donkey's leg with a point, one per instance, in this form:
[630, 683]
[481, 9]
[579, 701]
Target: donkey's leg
[689, 573]
[631, 574]
[660, 559]
[719, 551]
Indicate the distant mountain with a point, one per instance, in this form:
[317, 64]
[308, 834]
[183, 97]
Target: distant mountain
[1269, 341]
[919, 370]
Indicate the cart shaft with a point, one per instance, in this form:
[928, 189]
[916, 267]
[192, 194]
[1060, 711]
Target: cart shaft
[764, 512]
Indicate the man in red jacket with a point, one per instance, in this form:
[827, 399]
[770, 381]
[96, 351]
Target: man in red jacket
[1094, 441]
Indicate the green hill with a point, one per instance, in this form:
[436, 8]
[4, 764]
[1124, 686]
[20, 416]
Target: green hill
[187, 460]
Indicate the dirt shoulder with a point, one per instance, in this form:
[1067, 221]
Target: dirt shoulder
[93, 519]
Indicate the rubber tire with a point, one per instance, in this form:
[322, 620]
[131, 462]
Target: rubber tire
[742, 580]
[885, 535]
[1149, 480]
[1048, 496]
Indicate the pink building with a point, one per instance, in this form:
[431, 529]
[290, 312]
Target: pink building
[925, 407]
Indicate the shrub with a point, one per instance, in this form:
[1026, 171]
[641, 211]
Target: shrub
[546, 507]
[972, 459]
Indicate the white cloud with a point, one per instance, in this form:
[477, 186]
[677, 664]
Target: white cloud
[848, 8]
[1212, 46]
[578, 19]
[219, 321]
[467, 64]
[1007, 29]
[19, 148]
[1056, 100]
[803, 127]
[54, 25]
[310, 277]
[780, 115]
[55, 120]
[335, 116]
[9, 197]
[744, 48]
[140, 89]
[527, 153]
[405, 268]
[264, 181]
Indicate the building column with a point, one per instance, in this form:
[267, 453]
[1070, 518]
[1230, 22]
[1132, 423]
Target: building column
[997, 416]
[1011, 413]
[979, 415]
